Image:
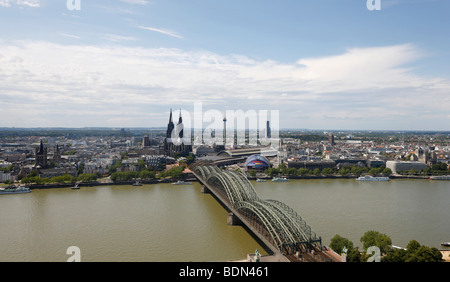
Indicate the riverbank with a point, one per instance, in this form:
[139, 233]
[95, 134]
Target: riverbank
[350, 176]
[106, 183]
[101, 183]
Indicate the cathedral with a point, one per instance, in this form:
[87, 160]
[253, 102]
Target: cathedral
[174, 142]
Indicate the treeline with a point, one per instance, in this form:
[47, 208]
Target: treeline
[414, 251]
[174, 172]
[345, 170]
[67, 178]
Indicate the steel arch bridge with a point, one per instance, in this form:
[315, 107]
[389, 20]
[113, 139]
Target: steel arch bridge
[279, 224]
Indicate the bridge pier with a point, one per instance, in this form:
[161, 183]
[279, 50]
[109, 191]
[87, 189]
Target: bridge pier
[204, 190]
[233, 219]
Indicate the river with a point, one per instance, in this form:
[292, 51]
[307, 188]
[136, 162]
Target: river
[164, 222]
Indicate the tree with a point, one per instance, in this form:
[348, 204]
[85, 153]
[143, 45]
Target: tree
[145, 174]
[414, 253]
[283, 168]
[353, 255]
[387, 171]
[87, 177]
[252, 172]
[375, 238]
[338, 243]
[327, 171]
[303, 171]
[272, 171]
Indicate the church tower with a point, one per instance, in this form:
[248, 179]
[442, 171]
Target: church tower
[170, 149]
[41, 156]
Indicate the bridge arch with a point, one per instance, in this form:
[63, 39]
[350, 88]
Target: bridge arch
[236, 189]
[276, 221]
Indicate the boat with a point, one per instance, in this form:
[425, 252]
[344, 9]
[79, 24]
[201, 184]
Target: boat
[440, 177]
[280, 179]
[372, 178]
[260, 180]
[137, 183]
[179, 182]
[445, 244]
[15, 190]
[76, 186]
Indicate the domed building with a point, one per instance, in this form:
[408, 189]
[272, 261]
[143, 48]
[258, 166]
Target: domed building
[257, 162]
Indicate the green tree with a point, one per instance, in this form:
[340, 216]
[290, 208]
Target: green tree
[338, 243]
[115, 166]
[375, 238]
[272, 171]
[303, 171]
[414, 253]
[190, 158]
[252, 172]
[123, 175]
[146, 174]
[387, 171]
[283, 168]
[353, 255]
[87, 177]
[327, 171]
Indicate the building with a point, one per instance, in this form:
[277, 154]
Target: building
[396, 166]
[175, 143]
[145, 141]
[41, 156]
[331, 139]
[257, 162]
[57, 155]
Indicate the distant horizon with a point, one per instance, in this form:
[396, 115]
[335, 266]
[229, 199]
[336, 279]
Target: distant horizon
[165, 127]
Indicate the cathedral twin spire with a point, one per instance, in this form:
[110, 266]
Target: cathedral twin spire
[169, 147]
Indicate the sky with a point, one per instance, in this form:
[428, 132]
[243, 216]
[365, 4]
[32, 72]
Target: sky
[322, 64]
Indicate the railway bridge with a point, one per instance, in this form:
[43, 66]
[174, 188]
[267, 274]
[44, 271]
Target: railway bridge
[282, 231]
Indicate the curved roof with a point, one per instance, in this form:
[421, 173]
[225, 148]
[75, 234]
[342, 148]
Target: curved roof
[257, 160]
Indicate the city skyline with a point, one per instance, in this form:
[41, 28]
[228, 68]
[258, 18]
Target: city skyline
[323, 65]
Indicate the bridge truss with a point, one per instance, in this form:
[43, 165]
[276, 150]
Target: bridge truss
[276, 221]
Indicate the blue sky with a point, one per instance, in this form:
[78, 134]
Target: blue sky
[323, 64]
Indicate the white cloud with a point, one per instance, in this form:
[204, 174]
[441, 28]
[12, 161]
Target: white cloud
[28, 3]
[166, 32]
[82, 85]
[138, 2]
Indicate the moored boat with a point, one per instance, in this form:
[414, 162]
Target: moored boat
[15, 190]
[372, 178]
[280, 179]
[440, 177]
[179, 182]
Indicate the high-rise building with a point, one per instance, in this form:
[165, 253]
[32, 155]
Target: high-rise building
[145, 141]
[331, 139]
